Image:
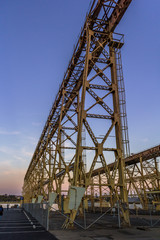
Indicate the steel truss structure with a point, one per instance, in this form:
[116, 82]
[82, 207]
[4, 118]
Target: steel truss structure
[87, 126]
[142, 177]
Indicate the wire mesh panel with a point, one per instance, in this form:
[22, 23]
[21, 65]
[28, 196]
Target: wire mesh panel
[39, 211]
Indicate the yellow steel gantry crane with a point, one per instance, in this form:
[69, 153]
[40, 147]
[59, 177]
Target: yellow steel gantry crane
[91, 101]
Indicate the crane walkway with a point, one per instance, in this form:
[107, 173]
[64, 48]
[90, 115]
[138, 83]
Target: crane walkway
[16, 224]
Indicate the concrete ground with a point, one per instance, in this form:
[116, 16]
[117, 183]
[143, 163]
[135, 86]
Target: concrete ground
[107, 228]
[109, 234]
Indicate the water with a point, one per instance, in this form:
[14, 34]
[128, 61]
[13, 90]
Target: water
[4, 205]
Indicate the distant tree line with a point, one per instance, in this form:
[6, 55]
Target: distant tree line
[9, 198]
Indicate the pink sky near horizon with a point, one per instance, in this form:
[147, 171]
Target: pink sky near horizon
[11, 180]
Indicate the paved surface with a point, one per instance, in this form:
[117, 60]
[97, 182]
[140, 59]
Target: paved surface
[108, 234]
[15, 224]
[18, 225]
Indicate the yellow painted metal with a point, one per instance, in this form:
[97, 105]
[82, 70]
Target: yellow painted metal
[142, 175]
[92, 88]
[65, 205]
[86, 204]
[157, 205]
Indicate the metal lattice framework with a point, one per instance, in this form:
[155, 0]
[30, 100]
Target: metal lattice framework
[142, 176]
[87, 125]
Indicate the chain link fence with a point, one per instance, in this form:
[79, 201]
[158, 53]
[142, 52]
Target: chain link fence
[145, 218]
[40, 211]
[52, 218]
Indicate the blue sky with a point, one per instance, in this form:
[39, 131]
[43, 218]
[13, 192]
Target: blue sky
[36, 43]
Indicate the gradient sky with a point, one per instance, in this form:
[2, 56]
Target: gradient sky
[36, 43]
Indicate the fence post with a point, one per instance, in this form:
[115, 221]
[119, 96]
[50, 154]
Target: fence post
[151, 216]
[119, 219]
[48, 210]
[84, 215]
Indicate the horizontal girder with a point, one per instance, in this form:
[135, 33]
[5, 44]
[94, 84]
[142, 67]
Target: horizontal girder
[133, 159]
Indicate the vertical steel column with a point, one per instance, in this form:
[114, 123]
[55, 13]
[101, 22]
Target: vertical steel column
[82, 112]
[58, 151]
[78, 165]
[122, 185]
[100, 190]
[157, 174]
[92, 194]
[145, 201]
